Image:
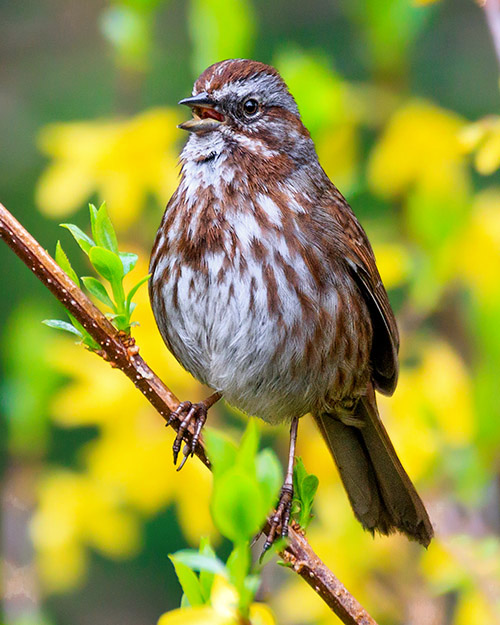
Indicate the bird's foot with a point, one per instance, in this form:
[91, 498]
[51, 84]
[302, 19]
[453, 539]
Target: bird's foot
[188, 412]
[278, 523]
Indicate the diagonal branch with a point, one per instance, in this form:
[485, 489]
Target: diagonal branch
[121, 352]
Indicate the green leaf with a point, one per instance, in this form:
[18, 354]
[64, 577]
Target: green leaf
[121, 322]
[80, 237]
[103, 230]
[64, 264]
[93, 217]
[200, 562]
[86, 338]
[206, 577]
[249, 446]
[134, 290]
[221, 450]
[90, 343]
[62, 325]
[98, 290]
[237, 507]
[309, 487]
[251, 585]
[238, 565]
[269, 476]
[305, 486]
[188, 581]
[299, 473]
[107, 264]
[129, 261]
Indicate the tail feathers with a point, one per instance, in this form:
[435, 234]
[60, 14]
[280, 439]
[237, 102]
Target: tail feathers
[381, 494]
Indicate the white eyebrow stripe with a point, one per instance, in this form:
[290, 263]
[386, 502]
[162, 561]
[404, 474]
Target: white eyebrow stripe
[267, 88]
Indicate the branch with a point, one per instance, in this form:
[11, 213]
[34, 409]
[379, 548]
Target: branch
[121, 352]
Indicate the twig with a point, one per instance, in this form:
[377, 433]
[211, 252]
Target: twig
[492, 12]
[122, 353]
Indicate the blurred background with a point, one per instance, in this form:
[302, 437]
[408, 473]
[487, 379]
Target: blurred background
[401, 99]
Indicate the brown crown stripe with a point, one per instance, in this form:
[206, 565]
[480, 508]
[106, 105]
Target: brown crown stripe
[234, 70]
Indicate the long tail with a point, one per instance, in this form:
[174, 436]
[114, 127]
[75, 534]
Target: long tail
[382, 495]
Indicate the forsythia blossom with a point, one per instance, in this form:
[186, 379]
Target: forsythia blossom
[124, 161]
[222, 610]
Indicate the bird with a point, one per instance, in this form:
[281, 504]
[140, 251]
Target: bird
[264, 286]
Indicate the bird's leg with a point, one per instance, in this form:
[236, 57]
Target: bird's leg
[187, 412]
[281, 517]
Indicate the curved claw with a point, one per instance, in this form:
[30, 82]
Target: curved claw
[186, 412]
[186, 451]
[189, 412]
[200, 422]
[183, 427]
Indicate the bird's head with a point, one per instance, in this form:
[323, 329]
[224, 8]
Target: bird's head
[246, 102]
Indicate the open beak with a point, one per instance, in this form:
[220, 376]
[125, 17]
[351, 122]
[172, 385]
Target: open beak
[205, 115]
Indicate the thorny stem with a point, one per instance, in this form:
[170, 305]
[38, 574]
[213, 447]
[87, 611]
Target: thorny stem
[121, 352]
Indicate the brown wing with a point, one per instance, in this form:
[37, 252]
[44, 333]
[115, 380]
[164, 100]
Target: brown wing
[358, 253]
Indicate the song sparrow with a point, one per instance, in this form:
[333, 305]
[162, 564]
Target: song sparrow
[264, 286]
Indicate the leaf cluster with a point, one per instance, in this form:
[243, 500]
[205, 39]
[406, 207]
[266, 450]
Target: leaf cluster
[245, 488]
[110, 264]
[305, 486]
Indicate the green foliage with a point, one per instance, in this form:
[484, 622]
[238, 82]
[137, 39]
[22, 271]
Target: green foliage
[436, 240]
[220, 29]
[389, 28]
[246, 484]
[245, 487]
[74, 327]
[110, 264]
[28, 383]
[313, 83]
[305, 486]
[64, 264]
[128, 26]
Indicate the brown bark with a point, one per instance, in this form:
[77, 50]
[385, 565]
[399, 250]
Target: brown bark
[121, 352]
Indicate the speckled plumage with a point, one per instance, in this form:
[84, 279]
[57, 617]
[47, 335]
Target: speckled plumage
[264, 285]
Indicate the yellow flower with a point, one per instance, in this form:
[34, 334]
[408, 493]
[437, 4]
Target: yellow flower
[327, 108]
[431, 410]
[419, 148]
[124, 161]
[437, 396]
[471, 567]
[357, 558]
[222, 610]
[475, 609]
[75, 512]
[483, 138]
[393, 261]
[478, 251]
[128, 466]
[338, 153]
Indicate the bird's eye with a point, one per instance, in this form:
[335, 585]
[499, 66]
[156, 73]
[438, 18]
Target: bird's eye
[250, 107]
